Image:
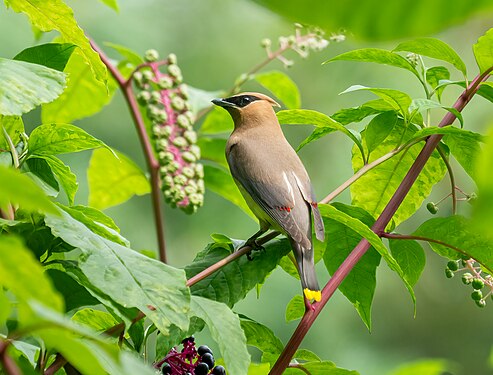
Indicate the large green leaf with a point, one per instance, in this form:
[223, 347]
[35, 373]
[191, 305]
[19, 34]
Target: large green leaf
[17, 188]
[281, 86]
[220, 182]
[14, 126]
[373, 190]
[51, 55]
[434, 76]
[54, 139]
[346, 116]
[97, 320]
[232, 282]
[411, 258]
[359, 286]
[56, 15]
[434, 48]
[129, 278]
[483, 206]
[226, 331]
[460, 233]
[83, 97]
[319, 368]
[378, 129]
[295, 308]
[262, 338]
[420, 105]
[22, 274]
[330, 212]
[375, 55]
[373, 19]
[217, 121]
[113, 180]
[213, 149]
[424, 367]
[483, 51]
[24, 86]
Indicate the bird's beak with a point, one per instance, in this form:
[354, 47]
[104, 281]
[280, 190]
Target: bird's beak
[223, 103]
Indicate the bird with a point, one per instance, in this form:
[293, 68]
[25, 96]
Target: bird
[273, 180]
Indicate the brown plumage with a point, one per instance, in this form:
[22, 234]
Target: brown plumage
[273, 180]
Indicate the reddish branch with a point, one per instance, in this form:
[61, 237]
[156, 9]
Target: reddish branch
[379, 227]
[8, 364]
[152, 162]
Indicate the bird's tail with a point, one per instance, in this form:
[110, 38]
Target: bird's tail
[306, 269]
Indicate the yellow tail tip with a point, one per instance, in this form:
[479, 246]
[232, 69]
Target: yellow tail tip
[315, 295]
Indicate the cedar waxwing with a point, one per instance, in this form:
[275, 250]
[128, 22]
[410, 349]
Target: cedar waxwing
[273, 180]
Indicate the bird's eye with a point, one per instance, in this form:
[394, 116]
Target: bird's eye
[244, 101]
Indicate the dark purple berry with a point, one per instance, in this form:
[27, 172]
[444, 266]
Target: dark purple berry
[202, 369]
[209, 359]
[188, 339]
[203, 349]
[218, 370]
[166, 369]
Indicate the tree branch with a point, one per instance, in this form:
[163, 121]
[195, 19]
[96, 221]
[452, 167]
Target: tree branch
[152, 162]
[379, 227]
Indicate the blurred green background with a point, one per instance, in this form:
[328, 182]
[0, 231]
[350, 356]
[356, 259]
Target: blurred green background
[217, 40]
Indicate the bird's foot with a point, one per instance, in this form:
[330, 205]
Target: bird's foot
[252, 242]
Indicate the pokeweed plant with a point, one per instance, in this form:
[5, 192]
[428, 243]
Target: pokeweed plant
[59, 261]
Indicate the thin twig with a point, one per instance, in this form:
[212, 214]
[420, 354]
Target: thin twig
[451, 177]
[382, 221]
[8, 364]
[152, 162]
[59, 362]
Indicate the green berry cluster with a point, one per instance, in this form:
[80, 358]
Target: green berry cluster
[474, 277]
[165, 99]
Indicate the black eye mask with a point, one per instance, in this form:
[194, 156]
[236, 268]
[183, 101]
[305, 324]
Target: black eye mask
[242, 100]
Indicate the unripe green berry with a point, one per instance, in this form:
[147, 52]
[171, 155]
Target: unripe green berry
[467, 278]
[190, 190]
[174, 70]
[472, 198]
[147, 75]
[476, 295]
[432, 208]
[167, 181]
[172, 59]
[183, 121]
[452, 265]
[184, 90]
[477, 284]
[188, 157]
[143, 97]
[449, 273]
[151, 55]
[200, 186]
[266, 43]
[481, 303]
[196, 199]
[180, 142]
[155, 97]
[190, 116]
[195, 150]
[178, 103]
[188, 172]
[180, 180]
[137, 76]
[199, 170]
[190, 136]
[173, 167]
[165, 82]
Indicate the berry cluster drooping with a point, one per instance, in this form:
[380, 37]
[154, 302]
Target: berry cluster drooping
[475, 277]
[165, 99]
[190, 361]
[433, 207]
[302, 44]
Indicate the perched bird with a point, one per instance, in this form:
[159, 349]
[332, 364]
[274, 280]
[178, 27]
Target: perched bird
[273, 180]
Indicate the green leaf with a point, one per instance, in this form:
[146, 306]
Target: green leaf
[436, 74]
[379, 128]
[281, 86]
[22, 274]
[97, 216]
[323, 123]
[129, 55]
[51, 55]
[376, 55]
[63, 174]
[306, 355]
[226, 331]
[14, 127]
[54, 139]
[322, 368]
[486, 90]
[16, 188]
[56, 15]
[376, 20]
[200, 99]
[424, 367]
[24, 86]
[483, 51]
[399, 100]
[84, 96]
[113, 4]
[425, 104]
[411, 258]
[262, 338]
[5, 307]
[359, 286]
[346, 116]
[330, 212]
[483, 206]
[98, 321]
[373, 190]
[295, 308]
[213, 149]
[73, 293]
[112, 180]
[40, 171]
[435, 49]
[220, 182]
[232, 282]
[460, 233]
[129, 278]
[217, 121]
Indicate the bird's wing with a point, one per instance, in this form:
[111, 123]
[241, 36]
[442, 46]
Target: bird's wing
[274, 198]
[308, 194]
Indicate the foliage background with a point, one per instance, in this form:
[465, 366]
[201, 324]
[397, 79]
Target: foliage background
[215, 41]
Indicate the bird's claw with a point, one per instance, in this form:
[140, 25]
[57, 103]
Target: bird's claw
[254, 247]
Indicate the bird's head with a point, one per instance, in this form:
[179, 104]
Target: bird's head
[248, 107]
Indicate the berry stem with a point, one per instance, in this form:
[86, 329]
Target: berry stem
[152, 162]
[451, 177]
[379, 227]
